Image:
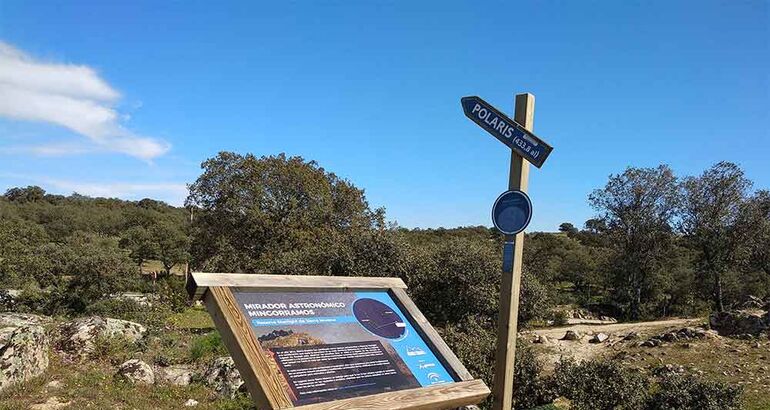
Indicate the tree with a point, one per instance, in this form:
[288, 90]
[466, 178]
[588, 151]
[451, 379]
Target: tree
[709, 213]
[635, 209]
[28, 194]
[568, 228]
[140, 243]
[98, 268]
[170, 243]
[754, 221]
[251, 211]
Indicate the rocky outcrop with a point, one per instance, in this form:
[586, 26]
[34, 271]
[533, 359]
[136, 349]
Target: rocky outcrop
[78, 337]
[136, 371]
[177, 375]
[23, 350]
[12, 319]
[739, 322]
[683, 334]
[222, 376]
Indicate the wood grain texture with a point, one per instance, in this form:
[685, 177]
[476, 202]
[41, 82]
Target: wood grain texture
[434, 340]
[510, 284]
[198, 282]
[263, 385]
[445, 396]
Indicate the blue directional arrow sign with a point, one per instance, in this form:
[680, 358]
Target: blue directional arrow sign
[508, 131]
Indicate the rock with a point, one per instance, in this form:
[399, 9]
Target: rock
[191, 403]
[572, 335]
[599, 338]
[77, 338]
[654, 342]
[223, 377]
[178, 375]
[669, 337]
[739, 322]
[136, 371]
[23, 353]
[631, 336]
[141, 299]
[12, 319]
[8, 298]
[542, 339]
[52, 403]
[54, 384]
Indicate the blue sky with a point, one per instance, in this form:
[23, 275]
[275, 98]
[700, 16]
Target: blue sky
[128, 99]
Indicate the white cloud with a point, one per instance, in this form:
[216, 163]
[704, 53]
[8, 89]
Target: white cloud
[71, 96]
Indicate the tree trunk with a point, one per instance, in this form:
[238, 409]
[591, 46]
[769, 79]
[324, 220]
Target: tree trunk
[636, 302]
[718, 292]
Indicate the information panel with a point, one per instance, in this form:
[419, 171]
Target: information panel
[334, 345]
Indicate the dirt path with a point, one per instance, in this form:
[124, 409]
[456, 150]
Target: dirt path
[555, 348]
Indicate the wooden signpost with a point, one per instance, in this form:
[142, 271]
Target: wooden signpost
[526, 148]
[328, 343]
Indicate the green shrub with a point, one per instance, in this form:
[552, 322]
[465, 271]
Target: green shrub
[530, 389]
[600, 385]
[115, 349]
[676, 391]
[153, 317]
[559, 317]
[207, 345]
[172, 294]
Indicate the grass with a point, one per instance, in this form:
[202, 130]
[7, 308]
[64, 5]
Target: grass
[736, 362]
[193, 319]
[92, 385]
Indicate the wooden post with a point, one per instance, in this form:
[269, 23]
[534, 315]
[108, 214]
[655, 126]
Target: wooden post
[502, 390]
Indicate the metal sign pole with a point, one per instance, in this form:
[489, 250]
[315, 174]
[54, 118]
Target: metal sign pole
[511, 280]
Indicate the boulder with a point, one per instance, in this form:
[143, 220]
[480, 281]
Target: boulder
[222, 376]
[136, 371]
[572, 335]
[177, 375]
[669, 337]
[23, 353]
[12, 319]
[77, 338]
[191, 403]
[599, 338]
[739, 322]
[541, 339]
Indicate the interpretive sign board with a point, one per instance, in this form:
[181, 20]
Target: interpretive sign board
[320, 342]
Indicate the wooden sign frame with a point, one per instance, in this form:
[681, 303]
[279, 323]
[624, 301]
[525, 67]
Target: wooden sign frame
[265, 387]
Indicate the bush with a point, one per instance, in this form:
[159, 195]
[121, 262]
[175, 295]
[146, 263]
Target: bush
[172, 293]
[207, 345]
[600, 385]
[676, 391]
[529, 388]
[559, 317]
[153, 317]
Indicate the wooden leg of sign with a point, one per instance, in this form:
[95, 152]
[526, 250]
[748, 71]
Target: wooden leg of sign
[502, 390]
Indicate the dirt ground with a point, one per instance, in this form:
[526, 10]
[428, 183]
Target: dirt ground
[744, 363]
[581, 350]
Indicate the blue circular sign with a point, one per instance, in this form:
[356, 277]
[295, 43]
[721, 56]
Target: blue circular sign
[512, 212]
